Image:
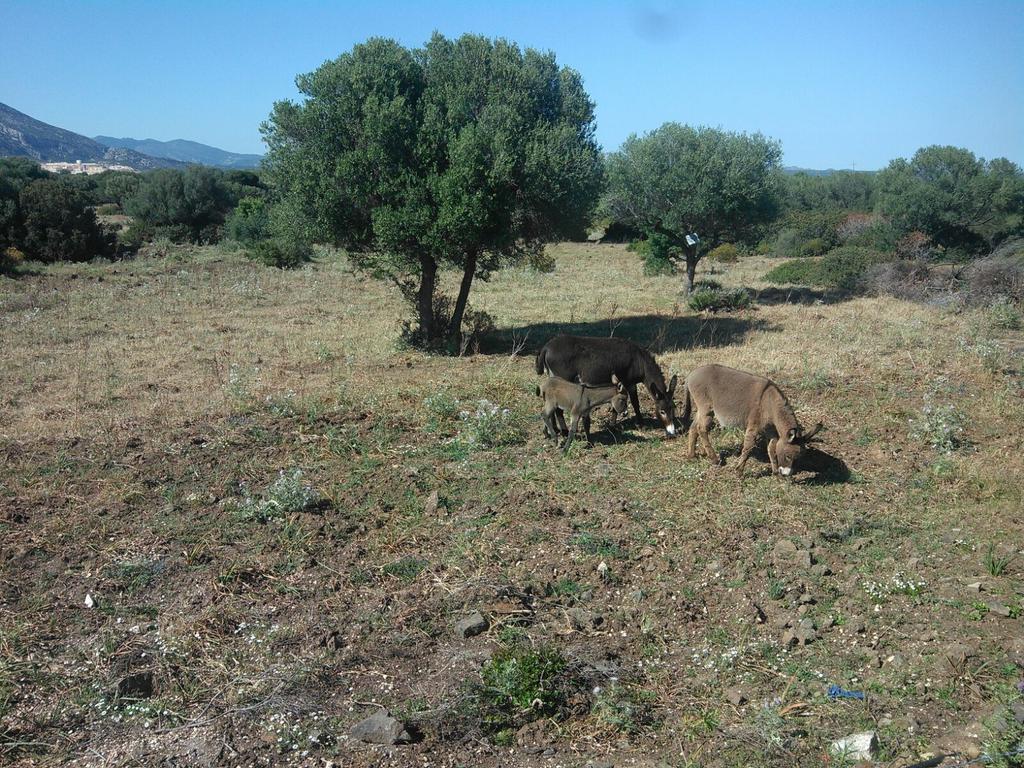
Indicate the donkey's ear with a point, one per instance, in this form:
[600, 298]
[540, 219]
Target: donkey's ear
[615, 380]
[794, 435]
[810, 435]
[672, 384]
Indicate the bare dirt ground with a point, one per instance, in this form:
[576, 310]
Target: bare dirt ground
[236, 518]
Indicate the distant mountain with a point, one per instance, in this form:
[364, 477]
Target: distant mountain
[185, 151]
[24, 136]
[792, 169]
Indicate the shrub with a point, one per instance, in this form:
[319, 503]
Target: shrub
[521, 685]
[540, 260]
[10, 258]
[813, 247]
[657, 253]
[842, 268]
[726, 253]
[282, 252]
[285, 496]
[717, 300]
[911, 280]
[58, 225]
[249, 222]
[1004, 314]
[995, 277]
[940, 426]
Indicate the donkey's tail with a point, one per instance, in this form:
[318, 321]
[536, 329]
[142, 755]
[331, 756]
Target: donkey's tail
[541, 356]
[687, 408]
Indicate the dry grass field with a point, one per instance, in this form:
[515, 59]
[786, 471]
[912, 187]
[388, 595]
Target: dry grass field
[237, 518]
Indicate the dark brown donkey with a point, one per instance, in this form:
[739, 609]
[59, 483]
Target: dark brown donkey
[740, 399]
[594, 361]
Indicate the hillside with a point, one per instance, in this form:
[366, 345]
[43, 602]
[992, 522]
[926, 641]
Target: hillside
[22, 135]
[185, 151]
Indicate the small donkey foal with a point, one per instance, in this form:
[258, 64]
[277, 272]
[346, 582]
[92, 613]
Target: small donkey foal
[577, 400]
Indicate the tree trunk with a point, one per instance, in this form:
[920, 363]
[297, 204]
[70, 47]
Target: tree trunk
[691, 268]
[425, 297]
[460, 303]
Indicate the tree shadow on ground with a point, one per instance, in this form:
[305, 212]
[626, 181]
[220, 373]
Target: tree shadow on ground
[658, 333]
[796, 294]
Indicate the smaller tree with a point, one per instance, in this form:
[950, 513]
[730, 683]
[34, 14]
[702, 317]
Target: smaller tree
[189, 204]
[59, 226]
[679, 180]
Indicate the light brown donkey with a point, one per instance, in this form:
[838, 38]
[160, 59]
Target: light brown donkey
[577, 400]
[740, 399]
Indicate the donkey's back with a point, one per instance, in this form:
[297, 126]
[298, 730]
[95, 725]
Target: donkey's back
[591, 360]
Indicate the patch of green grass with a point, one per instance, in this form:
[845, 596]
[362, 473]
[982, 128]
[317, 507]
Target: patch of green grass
[520, 685]
[624, 708]
[132, 577]
[996, 563]
[593, 544]
[406, 569]
[718, 300]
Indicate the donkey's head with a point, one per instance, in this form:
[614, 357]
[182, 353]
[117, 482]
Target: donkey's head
[620, 402]
[664, 405]
[790, 446]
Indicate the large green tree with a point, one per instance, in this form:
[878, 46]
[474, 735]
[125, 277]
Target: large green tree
[466, 153]
[678, 180]
[960, 201]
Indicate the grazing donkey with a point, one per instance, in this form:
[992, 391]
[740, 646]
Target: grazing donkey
[739, 399]
[578, 400]
[595, 360]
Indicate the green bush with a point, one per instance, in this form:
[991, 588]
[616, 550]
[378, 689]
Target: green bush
[726, 253]
[521, 685]
[657, 253]
[718, 300]
[282, 252]
[841, 268]
[58, 225]
[813, 247]
[249, 222]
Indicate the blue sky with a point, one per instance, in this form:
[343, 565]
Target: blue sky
[841, 84]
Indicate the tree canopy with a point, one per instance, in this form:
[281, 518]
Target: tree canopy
[960, 201]
[678, 180]
[467, 153]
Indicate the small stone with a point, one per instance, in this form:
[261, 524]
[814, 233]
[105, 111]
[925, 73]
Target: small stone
[975, 586]
[859, 627]
[736, 696]
[806, 599]
[1017, 710]
[89, 602]
[471, 625]
[603, 570]
[380, 728]
[802, 634]
[581, 619]
[999, 610]
[856, 746]
[821, 570]
[803, 609]
[637, 595]
[431, 504]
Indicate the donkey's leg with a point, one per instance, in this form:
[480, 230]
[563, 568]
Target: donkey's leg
[634, 398]
[691, 443]
[771, 455]
[562, 429]
[749, 440]
[705, 438]
[572, 433]
[549, 425]
[586, 427]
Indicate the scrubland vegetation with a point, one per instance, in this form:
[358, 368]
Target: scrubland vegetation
[273, 462]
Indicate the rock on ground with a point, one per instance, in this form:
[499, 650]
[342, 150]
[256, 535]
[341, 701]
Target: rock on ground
[380, 728]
